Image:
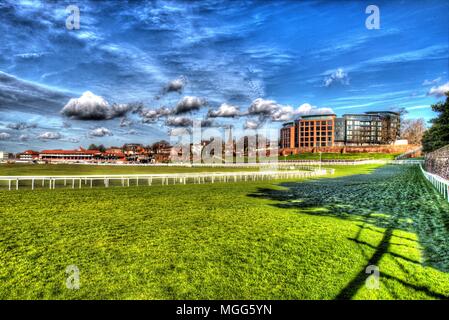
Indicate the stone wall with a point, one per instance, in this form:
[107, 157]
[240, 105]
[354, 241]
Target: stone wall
[437, 162]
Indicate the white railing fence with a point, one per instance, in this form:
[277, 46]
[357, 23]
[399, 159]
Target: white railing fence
[441, 184]
[14, 182]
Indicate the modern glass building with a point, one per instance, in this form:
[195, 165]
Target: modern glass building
[369, 128]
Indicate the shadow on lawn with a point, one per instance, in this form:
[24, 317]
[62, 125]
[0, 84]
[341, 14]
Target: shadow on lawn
[391, 197]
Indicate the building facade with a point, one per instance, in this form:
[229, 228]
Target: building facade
[4, 156]
[28, 155]
[80, 154]
[287, 136]
[369, 128]
[316, 131]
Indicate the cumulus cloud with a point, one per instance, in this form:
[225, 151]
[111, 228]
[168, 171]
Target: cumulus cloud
[92, 107]
[189, 103]
[151, 115]
[306, 109]
[338, 76]
[187, 122]
[178, 131]
[439, 91]
[225, 110]
[252, 124]
[284, 113]
[125, 122]
[21, 125]
[100, 132]
[4, 136]
[73, 140]
[179, 122]
[263, 107]
[176, 85]
[24, 137]
[50, 135]
[287, 113]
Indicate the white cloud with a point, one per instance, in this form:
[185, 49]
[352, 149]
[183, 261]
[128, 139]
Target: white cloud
[225, 110]
[439, 91]
[24, 137]
[284, 113]
[50, 135]
[338, 76]
[251, 124]
[179, 131]
[189, 103]
[176, 85]
[307, 109]
[179, 122]
[92, 107]
[287, 113]
[100, 132]
[431, 82]
[263, 107]
[4, 136]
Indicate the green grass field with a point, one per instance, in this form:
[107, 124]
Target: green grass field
[340, 156]
[309, 239]
[78, 169]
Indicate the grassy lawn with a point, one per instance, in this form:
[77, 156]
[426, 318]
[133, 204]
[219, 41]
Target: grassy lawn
[307, 239]
[340, 156]
[78, 169]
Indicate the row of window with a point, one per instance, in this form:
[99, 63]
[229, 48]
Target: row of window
[316, 123]
[318, 133]
[316, 128]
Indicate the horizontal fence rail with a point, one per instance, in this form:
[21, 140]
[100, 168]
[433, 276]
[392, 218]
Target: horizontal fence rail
[77, 181]
[441, 184]
[279, 163]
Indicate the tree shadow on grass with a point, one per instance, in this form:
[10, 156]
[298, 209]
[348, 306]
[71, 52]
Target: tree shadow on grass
[392, 198]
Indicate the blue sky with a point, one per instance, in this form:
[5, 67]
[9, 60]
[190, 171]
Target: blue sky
[136, 70]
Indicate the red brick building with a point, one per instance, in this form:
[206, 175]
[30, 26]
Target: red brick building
[80, 154]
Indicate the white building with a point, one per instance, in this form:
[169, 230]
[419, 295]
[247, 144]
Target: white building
[3, 155]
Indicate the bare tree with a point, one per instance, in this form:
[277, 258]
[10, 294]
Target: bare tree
[413, 130]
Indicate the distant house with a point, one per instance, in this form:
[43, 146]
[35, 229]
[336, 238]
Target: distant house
[28, 155]
[114, 154]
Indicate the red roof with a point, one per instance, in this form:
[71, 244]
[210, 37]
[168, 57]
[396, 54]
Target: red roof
[60, 151]
[30, 152]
